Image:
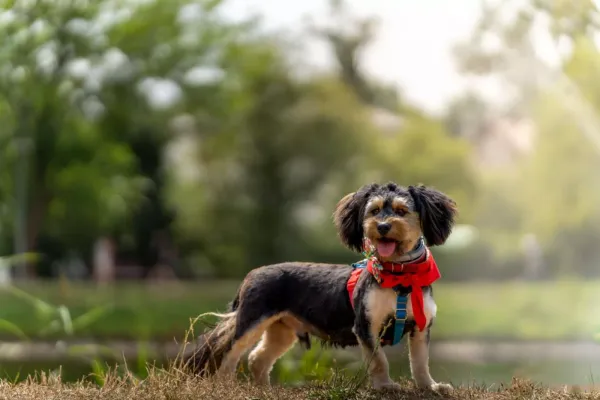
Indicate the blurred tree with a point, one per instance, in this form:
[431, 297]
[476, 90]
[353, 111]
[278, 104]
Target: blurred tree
[163, 73]
[503, 50]
[92, 88]
[59, 157]
[467, 116]
[348, 37]
[96, 95]
[571, 19]
[552, 193]
[424, 152]
[271, 179]
[290, 138]
[568, 156]
[502, 43]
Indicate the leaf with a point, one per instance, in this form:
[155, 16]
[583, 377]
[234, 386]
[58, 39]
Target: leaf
[67, 322]
[10, 327]
[52, 327]
[143, 357]
[91, 316]
[9, 261]
[100, 372]
[43, 308]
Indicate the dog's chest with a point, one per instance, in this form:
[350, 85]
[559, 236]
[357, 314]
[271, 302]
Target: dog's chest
[381, 303]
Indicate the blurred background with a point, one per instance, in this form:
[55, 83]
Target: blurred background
[153, 152]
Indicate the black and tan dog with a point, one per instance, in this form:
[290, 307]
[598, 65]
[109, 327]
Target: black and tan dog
[278, 304]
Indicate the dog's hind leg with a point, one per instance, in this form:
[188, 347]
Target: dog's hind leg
[243, 341]
[277, 339]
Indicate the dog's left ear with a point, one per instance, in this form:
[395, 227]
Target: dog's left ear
[348, 217]
[436, 212]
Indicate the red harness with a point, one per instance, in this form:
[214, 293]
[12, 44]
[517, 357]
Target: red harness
[390, 275]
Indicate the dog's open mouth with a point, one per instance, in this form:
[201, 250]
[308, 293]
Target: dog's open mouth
[386, 247]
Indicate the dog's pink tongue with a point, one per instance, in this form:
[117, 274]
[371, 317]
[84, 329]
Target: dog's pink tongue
[386, 249]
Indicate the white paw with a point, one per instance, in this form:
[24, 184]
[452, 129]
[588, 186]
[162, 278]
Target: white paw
[442, 388]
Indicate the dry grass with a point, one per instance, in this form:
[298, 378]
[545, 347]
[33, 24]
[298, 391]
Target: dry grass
[174, 385]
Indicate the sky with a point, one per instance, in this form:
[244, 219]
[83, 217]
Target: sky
[412, 48]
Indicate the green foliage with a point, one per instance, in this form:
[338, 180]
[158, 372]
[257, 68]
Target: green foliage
[490, 306]
[55, 319]
[70, 161]
[435, 158]
[315, 364]
[271, 148]
[551, 190]
[58, 320]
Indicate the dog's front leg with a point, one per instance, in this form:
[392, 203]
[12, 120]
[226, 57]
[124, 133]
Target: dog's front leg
[367, 326]
[374, 357]
[419, 361]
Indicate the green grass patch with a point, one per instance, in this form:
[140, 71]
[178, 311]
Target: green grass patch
[559, 310]
[515, 310]
[135, 311]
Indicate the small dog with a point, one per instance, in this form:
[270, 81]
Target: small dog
[341, 304]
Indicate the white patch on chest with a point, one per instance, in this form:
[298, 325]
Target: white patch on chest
[381, 304]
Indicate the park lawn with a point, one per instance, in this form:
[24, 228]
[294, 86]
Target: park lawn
[559, 310]
[515, 310]
[171, 384]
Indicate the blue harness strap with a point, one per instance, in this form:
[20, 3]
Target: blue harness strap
[401, 313]
[400, 320]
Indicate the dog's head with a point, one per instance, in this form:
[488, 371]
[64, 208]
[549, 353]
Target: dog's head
[393, 218]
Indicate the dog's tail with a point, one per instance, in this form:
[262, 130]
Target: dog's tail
[210, 348]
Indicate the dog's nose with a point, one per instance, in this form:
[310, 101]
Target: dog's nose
[384, 228]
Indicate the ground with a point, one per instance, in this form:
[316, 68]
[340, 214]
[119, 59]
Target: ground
[173, 385]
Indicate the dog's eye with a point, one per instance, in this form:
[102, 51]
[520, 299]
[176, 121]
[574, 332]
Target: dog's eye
[375, 211]
[401, 212]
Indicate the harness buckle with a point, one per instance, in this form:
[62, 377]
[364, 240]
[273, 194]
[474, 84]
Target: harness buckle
[401, 308]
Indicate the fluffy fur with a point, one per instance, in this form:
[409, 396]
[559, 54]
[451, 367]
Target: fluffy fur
[277, 305]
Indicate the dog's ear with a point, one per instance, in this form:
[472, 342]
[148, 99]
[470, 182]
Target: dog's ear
[436, 212]
[348, 217]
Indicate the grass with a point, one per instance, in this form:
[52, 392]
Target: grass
[558, 310]
[326, 381]
[514, 310]
[137, 311]
[172, 384]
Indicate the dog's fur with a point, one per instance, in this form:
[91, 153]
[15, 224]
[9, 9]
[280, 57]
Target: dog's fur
[278, 304]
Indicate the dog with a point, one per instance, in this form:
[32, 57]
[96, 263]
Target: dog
[278, 305]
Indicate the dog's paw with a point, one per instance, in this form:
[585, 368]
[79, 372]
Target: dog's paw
[442, 388]
[389, 385]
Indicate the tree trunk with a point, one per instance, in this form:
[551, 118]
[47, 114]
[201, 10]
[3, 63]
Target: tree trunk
[35, 221]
